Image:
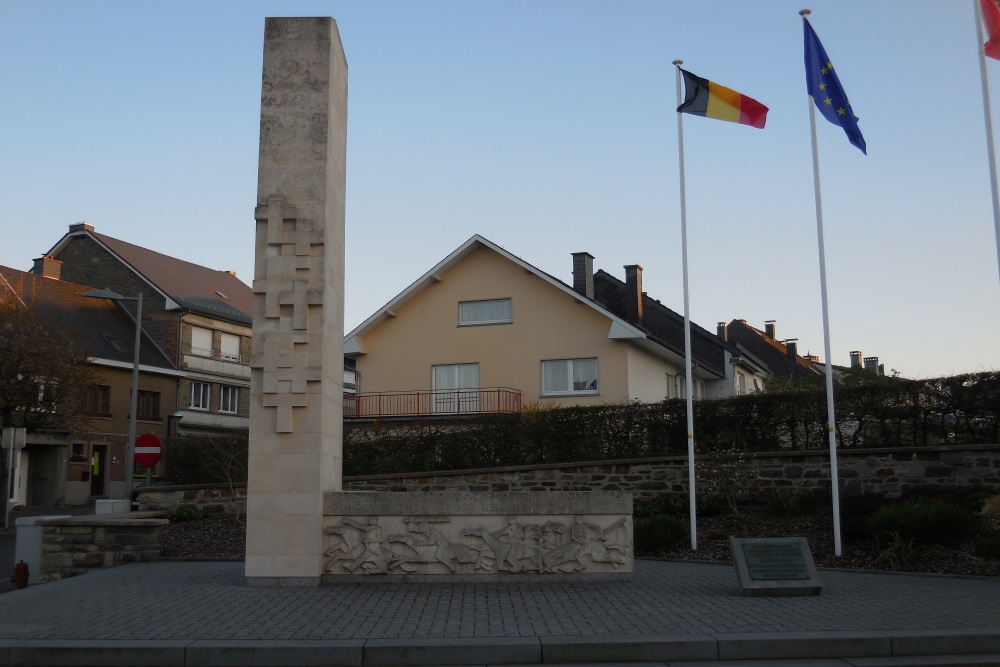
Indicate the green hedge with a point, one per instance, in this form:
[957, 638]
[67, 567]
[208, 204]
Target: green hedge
[871, 412]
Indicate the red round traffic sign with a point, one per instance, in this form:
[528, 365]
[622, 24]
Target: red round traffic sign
[147, 450]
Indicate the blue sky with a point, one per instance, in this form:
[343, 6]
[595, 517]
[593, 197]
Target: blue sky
[549, 128]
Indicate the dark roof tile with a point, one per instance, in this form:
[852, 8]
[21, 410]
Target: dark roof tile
[211, 292]
[87, 321]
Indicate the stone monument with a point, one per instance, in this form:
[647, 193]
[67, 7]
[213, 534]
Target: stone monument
[296, 412]
[302, 529]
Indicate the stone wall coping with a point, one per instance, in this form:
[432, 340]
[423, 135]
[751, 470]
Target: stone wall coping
[796, 453]
[152, 518]
[467, 503]
[185, 487]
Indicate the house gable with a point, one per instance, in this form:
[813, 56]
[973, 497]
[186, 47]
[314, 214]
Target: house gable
[773, 353]
[90, 258]
[548, 322]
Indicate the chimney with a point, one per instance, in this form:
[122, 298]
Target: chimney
[81, 227]
[721, 332]
[583, 274]
[769, 328]
[48, 267]
[871, 364]
[633, 293]
[855, 358]
[792, 348]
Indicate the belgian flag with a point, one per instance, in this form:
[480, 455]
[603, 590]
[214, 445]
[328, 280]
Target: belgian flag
[709, 99]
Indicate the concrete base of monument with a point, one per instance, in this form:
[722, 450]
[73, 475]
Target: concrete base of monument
[461, 536]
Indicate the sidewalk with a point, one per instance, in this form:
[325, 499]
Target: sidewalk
[182, 613]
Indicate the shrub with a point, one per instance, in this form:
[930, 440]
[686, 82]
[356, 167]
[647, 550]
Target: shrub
[855, 511]
[925, 521]
[671, 504]
[710, 505]
[792, 505]
[990, 513]
[988, 547]
[896, 554]
[186, 514]
[658, 534]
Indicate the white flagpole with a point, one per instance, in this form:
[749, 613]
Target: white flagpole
[689, 384]
[831, 421]
[991, 153]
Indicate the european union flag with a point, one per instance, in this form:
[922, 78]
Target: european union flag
[825, 89]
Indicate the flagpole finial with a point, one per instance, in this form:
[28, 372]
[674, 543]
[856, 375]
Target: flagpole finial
[678, 62]
[805, 12]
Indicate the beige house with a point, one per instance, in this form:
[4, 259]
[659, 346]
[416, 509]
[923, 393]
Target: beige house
[485, 320]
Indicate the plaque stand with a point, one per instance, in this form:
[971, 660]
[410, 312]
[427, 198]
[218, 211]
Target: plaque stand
[774, 566]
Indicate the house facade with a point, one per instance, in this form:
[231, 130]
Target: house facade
[75, 467]
[199, 317]
[484, 319]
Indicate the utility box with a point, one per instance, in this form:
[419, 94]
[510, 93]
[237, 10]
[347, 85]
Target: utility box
[112, 506]
[28, 543]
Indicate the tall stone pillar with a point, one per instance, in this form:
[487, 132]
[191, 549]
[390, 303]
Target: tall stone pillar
[296, 412]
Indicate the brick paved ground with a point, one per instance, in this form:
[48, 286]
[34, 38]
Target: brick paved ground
[211, 601]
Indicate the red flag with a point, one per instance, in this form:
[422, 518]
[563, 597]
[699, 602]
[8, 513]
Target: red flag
[991, 17]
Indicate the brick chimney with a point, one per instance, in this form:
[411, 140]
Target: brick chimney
[633, 293]
[721, 331]
[769, 328]
[855, 358]
[81, 227]
[48, 267]
[792, 348]
[583, 274]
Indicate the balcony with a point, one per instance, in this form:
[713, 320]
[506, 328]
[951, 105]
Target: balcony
[435, 403]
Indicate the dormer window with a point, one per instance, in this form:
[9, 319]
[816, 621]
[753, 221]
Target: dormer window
[113, 342]
[493, 311]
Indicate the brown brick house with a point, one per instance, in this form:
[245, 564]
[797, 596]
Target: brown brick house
[73, 468]
[199, 317]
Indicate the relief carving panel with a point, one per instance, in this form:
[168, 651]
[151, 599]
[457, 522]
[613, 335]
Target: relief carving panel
[477, 544]
[291, 282]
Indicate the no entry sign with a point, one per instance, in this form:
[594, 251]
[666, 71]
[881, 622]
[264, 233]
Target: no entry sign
[148, 450]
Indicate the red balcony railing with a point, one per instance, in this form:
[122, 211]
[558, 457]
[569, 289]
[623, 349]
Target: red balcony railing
[486, 400]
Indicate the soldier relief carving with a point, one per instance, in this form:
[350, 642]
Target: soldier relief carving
[434, 545]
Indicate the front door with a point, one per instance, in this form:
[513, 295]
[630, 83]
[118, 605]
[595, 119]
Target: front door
[99, 471]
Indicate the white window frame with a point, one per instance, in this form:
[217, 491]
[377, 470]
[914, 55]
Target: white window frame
[570, 377]
[198, 341]
[681, 385]
[229, 346]
[202, 392]
[229, 399]
[670, 386]
[485, 311]
[452, 399]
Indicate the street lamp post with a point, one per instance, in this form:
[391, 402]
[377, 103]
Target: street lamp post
[130, 445]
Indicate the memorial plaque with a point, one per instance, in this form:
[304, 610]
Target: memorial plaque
[774, 566]
[775, 560]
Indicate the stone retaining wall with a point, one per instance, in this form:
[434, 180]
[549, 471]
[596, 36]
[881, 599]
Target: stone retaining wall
[208, 499]
[887, 473]
[77, 545]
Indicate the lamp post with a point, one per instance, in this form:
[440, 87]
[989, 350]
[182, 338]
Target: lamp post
[130, 445]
